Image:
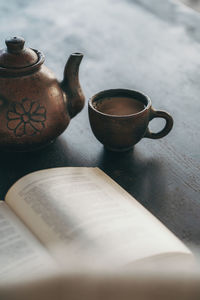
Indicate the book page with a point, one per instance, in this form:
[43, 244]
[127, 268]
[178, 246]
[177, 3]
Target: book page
[21, 254]
[85, 210]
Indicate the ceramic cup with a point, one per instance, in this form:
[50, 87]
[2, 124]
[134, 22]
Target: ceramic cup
[119, 118]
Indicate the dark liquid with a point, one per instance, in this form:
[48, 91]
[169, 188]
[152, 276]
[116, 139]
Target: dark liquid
[119, 106]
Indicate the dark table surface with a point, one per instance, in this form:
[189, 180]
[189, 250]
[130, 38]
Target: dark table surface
[148, 45]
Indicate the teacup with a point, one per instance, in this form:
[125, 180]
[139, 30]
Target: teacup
[119, 118]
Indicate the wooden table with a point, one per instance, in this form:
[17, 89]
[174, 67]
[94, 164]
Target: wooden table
[148, 45]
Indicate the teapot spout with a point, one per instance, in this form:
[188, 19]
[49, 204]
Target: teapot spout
[71, 86]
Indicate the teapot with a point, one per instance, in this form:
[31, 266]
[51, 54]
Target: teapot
[34, 107]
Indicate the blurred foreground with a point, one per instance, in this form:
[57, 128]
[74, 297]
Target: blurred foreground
[79, 286]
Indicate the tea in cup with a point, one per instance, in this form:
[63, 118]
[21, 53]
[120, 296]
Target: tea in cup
[119, 118]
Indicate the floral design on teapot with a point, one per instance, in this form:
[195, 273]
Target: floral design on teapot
[26, 118]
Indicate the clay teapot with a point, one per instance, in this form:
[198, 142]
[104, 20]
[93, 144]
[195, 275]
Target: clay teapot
[34, 107]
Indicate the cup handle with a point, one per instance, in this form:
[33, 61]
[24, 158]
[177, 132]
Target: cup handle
[165, 130]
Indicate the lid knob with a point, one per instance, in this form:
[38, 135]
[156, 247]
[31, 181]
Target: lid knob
[15, 44]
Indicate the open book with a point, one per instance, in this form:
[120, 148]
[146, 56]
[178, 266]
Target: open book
[81, 210]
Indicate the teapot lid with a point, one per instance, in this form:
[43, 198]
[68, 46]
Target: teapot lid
[16, 57]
